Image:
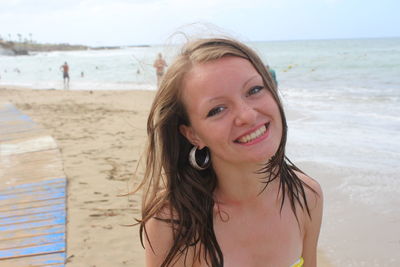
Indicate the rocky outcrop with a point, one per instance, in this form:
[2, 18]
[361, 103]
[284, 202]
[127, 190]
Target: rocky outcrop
[12, 48]
[6, 49]
[6, 52]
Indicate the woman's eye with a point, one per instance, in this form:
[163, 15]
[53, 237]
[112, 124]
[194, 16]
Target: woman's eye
[215, 111]
[255, 90]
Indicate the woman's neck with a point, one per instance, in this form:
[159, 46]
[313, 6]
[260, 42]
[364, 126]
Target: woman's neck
[240, 185]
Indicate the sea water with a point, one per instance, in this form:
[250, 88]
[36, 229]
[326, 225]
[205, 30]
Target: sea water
[348, 95]
[125, 68]
[345, 97]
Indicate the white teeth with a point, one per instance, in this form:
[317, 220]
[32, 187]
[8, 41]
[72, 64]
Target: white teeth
[253, 135]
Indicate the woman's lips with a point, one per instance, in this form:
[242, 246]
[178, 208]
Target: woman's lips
[254, 136]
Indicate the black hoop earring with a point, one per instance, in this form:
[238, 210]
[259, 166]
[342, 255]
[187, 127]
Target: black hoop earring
[193, 161]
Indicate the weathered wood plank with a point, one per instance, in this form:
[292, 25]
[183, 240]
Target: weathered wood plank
[5, 221]
[8, 194]
[49, 206]
[6, 106]
[33, 144]
[35, 233]
[32, 193]
[27, 207]
[53, 260]
[27, 187]
[33, 250]
[30, 167]
[33, 196]
[7, 136]
[10, 114]
[16, 122]
[25, 242]
[43, 230]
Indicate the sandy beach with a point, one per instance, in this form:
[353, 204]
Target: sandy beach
[101, 135]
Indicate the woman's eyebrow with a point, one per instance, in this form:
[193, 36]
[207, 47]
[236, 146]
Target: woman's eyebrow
[249, 80]
[217, 98]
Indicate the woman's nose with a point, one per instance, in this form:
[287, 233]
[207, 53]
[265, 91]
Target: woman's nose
[245, 114]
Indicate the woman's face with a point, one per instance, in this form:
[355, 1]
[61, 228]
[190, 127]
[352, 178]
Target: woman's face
[231, 112]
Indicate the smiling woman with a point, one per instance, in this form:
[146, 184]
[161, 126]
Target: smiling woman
[243, 203]
[238, 109]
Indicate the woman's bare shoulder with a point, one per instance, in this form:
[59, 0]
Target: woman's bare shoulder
[313, 188]
[159, 238]
[161, 224]
[313, 194]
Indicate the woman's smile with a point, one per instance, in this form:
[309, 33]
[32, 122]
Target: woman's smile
[255, 136]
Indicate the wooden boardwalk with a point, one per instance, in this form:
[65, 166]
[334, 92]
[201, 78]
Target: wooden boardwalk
[32, 193]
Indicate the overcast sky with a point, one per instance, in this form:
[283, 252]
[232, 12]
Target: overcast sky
[133, 22]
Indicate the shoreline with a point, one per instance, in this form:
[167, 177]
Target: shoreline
[101, 137]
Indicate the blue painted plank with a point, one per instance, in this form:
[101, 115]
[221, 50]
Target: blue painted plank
[33, 224]
[23, 195]
[18, 210]
[43, 183]
[18, 135]
[9, 129]
[15, 118]
[31, 241]
[34, 196]
[37, 250]
[29, 205]
[43, 230]
[10, 113]
[40, 198]
[46, 193]
[14, 121]
[16, 125]
[32, 217]
[12, 116]
[5, 106]
[8, 107]
[34, 188]
[53, 259]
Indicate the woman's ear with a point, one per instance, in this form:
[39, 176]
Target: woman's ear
[191, 136]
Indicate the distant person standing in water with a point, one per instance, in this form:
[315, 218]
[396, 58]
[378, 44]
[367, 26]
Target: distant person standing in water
[273, 74]
[65, 70]
[159, 64]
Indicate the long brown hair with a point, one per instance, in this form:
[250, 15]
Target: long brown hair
[171, 184]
